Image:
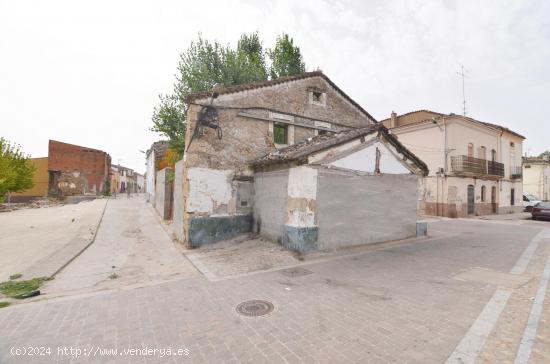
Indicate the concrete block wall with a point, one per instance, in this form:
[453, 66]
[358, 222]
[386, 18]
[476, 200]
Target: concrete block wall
[317, 208]
[362, 209]
[164, 193]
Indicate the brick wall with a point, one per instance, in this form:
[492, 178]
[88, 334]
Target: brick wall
[89, 164]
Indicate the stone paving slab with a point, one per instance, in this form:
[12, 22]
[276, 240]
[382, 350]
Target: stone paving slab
[398, 305]
[241, 255]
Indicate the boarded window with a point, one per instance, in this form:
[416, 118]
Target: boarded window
[280, 134]
[482, 193]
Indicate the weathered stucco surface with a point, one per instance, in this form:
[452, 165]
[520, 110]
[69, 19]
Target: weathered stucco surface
[270, 203]
[209, 190]
[302, 192]
[355, 209]
[177, 224]
[365, 160]
[164, 193]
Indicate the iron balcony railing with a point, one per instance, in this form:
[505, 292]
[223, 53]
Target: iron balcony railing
[516, 172]
[463, 164]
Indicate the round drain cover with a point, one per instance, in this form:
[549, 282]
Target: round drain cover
[254, 308]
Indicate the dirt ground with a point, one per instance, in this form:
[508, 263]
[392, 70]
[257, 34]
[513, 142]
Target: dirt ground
[34, 240]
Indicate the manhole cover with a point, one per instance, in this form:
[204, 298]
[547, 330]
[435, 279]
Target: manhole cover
[295, 272]
[255, 308]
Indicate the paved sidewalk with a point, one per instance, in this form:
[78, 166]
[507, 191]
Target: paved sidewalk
[240, 255]
[38, 242]
[131, 246]
[403, 304]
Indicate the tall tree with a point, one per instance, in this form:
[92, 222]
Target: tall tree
[286, 58]
[16, 170]
[169, 119]
[206, 63]
[545, 154]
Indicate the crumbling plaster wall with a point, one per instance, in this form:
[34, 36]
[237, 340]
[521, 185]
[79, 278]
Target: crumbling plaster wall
[270, 203]
[71, 183]
[163, 193]
[210, 191]
[177, 203]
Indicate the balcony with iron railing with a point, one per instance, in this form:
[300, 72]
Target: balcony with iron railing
[474, 167]
[516, 172]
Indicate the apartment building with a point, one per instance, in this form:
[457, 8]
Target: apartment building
[475, 166]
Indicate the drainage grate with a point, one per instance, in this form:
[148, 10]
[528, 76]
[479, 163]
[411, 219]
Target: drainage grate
[255, 308]
[295, 272]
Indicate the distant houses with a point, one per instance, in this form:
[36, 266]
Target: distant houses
[124, 179]
[72, 170]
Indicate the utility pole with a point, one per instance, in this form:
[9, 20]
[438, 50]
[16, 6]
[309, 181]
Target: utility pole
[462, 74]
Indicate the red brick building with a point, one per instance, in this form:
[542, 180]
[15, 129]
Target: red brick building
[77, 170]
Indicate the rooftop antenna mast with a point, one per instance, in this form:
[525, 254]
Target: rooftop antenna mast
[462, 74]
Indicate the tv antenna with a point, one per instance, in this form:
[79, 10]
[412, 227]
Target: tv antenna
[463, 73]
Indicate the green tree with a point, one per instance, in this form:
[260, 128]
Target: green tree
[207, 63]
[16, 170]
[545, 154]
[169, 119]
[286, 58]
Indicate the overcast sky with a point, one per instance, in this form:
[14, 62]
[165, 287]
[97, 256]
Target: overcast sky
[89, 73]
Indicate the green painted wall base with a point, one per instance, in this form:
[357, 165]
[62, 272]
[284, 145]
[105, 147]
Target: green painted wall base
[301, 239]
[209, 229]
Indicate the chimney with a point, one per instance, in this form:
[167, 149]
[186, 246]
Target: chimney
[393, 120]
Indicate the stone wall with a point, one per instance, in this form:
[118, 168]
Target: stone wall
[246, 120]
[164, 193]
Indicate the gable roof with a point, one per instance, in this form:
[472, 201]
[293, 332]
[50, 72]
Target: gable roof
[300, 151]
[467, 118]
[269, 83]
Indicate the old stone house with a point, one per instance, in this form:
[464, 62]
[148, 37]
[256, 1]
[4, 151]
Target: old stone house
[475, 166]
[230, 129]
[76, 170]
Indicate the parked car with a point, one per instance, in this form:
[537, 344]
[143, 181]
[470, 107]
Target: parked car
[541, 211]
[529, 201]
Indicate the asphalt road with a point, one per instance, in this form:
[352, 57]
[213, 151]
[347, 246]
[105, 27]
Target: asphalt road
[466, 294]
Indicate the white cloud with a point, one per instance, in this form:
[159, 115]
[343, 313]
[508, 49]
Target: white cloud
[89, 73]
